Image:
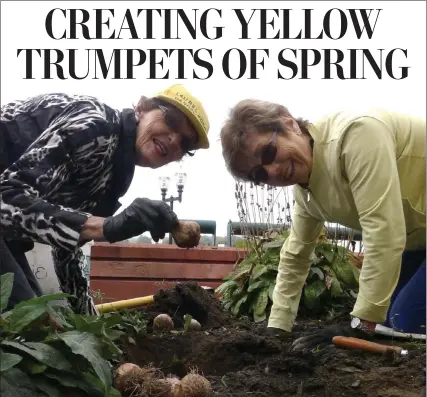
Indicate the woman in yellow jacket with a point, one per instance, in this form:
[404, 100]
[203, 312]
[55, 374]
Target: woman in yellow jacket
[366, 171]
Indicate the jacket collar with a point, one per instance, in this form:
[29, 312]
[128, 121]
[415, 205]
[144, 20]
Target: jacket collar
[125, 158]
[123, 166]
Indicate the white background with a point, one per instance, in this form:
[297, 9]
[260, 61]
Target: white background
[209, 192]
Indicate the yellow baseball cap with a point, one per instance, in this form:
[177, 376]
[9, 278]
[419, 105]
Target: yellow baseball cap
[178, 96]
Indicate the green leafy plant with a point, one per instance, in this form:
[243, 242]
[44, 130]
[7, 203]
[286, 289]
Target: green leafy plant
[265, 219]
[133, 322]
[48, 350]
[248, 290]
[333, 276]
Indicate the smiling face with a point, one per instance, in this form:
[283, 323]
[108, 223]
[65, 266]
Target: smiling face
[163, 135]
[263, 143]
[279, 158]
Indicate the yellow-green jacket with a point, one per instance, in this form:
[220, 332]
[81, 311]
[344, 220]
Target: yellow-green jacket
[369, 174]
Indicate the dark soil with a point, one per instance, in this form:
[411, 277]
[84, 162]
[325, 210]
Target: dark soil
[190, 298]
[239, 359]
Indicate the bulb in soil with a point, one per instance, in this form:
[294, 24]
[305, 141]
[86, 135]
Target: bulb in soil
[163, 322]
[169, 387]
[187, 234]
[194, 325]
[176, 387]
[127, 378]
[133, 381]
[195, 385]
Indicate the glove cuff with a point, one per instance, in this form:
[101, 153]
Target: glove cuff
[110, 230]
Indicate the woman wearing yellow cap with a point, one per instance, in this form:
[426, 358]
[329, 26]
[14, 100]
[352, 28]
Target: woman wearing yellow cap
[65, 160]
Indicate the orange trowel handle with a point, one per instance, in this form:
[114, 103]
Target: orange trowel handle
[361, 344]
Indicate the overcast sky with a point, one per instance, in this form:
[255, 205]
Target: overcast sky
[209, 191]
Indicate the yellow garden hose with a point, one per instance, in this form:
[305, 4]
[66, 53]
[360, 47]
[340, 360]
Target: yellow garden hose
[125, 304]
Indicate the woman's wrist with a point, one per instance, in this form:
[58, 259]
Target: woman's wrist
[93, 229]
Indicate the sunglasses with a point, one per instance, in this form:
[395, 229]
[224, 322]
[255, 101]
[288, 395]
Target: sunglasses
[174, 122]
[259, 174]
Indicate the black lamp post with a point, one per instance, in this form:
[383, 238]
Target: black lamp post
[164, 186]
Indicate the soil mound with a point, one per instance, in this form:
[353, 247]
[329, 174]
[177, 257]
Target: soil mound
[190, 298]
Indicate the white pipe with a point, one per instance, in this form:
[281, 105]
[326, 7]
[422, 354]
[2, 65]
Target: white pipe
[382, 330]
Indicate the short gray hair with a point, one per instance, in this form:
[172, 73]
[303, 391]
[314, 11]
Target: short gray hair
[250, 116]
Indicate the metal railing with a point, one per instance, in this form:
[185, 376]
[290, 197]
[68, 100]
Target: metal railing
[238, 229]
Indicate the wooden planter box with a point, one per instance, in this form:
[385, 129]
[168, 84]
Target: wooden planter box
[124, 271]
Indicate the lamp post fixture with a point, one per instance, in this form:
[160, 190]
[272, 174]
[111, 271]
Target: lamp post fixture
[164, 182]
[164, 185]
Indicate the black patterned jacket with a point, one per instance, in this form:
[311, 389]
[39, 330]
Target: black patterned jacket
[62, 158]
